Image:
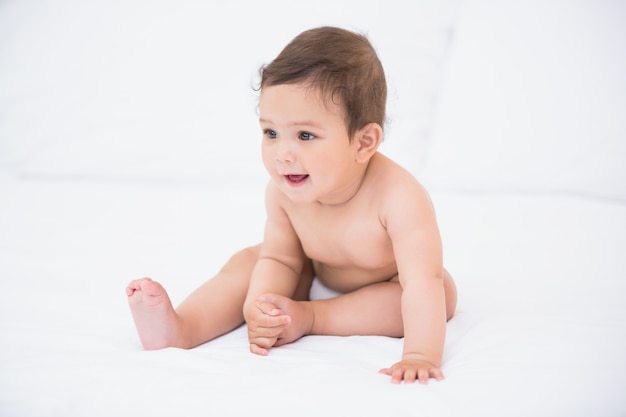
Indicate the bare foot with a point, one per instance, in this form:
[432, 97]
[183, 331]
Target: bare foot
[301, 313]
[157, 323]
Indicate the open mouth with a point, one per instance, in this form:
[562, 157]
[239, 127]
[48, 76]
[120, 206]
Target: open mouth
[296, 179]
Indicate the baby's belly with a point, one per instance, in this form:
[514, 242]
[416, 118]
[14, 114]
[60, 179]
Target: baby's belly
[347, 279]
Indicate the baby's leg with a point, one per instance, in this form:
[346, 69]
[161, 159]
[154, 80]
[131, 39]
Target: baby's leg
[213, 309]
[371, 310]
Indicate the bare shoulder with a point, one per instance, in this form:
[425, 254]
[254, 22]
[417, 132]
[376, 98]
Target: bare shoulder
[399, 192]
[274, 198]
[394, 181]
[276, 207]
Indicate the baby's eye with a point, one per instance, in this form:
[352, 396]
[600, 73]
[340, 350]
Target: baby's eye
[306, 136]
[270, 133]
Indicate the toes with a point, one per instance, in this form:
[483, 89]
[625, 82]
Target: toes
[145, 290]
[144, 284]
[150, 287]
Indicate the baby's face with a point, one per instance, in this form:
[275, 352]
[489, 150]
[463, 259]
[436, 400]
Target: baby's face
[306, 148]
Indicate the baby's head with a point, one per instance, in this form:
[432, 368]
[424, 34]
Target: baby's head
[342, 65]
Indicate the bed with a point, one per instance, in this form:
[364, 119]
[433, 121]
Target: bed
[129, 148]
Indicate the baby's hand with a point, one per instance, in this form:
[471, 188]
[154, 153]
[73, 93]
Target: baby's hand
[412, 369]
[265, 324]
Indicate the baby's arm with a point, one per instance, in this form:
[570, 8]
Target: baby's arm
[264, 319]
[412, 226]
[277, 271]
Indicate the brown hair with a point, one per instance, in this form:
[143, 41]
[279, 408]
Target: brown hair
[342, 65]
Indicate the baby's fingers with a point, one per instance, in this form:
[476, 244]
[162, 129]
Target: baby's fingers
[258, 350]
[271, 324]
[436, 373]
[399, 374]
[423, 375]
[268, 308]
[410, 375]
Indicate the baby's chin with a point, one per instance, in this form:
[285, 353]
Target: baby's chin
[298, 190]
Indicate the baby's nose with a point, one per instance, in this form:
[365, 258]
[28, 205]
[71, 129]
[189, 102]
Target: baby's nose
[284, 153]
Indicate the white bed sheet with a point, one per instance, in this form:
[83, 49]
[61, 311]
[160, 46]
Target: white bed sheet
[539, 329]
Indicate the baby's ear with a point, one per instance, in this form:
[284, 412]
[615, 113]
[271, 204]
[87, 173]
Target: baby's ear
[367, 139]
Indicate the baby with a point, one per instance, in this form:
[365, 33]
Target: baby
[337, 210]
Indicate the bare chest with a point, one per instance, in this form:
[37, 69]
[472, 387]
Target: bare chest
[344, 239]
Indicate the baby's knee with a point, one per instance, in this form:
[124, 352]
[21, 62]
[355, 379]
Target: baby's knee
[245, 258]
[250, 254]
